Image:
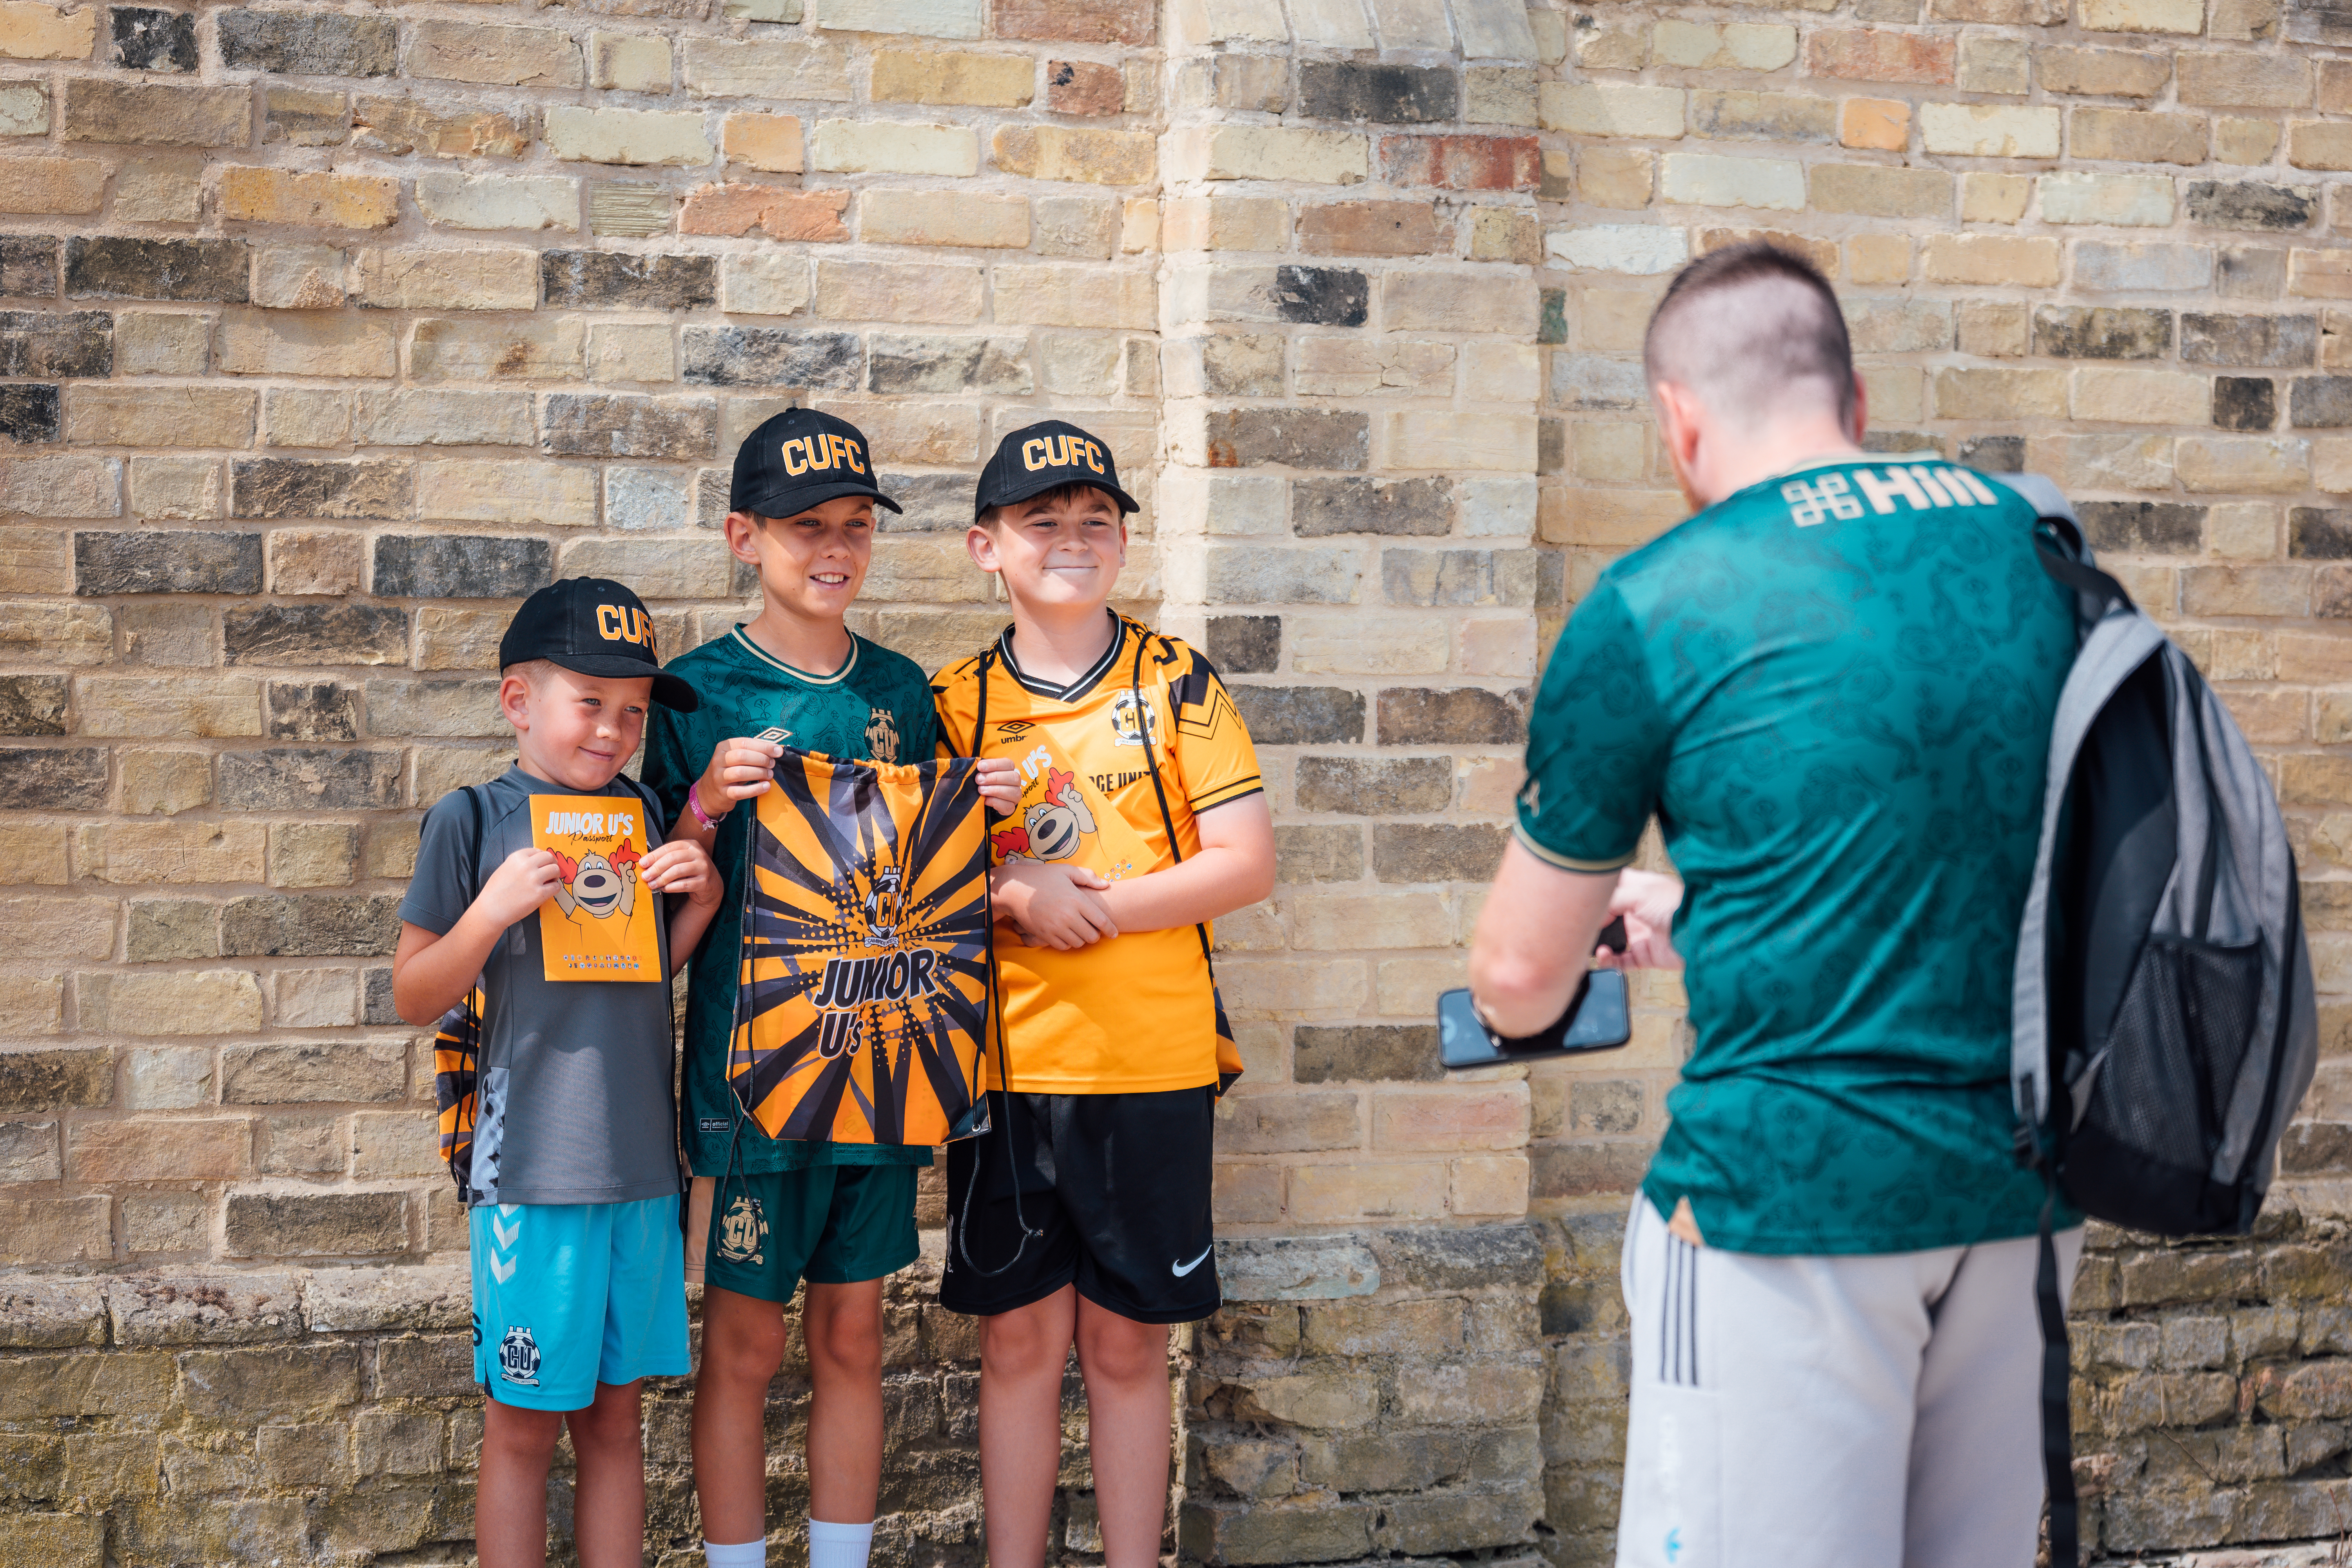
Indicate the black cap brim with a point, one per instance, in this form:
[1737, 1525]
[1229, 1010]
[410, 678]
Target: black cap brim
[1027, 487]
[794, 499]
[672, 691]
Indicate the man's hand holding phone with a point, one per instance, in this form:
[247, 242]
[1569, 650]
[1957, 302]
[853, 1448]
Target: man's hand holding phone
[1645, 903]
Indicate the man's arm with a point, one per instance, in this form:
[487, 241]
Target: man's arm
[1534, 940]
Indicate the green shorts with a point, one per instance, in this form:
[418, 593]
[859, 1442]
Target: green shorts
[831, 1225]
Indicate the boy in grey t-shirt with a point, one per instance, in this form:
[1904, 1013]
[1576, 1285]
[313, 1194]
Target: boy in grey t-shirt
[552, 886]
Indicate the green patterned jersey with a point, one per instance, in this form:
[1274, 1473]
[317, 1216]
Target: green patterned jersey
[877, 708]
[1834, 691]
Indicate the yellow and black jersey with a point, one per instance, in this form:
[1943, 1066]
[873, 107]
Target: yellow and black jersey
[1139, 1011]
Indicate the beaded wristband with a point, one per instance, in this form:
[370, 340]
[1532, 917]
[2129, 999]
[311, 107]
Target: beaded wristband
[694, 804]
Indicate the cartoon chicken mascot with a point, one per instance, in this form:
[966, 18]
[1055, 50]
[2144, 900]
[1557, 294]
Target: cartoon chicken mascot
[1049, 830]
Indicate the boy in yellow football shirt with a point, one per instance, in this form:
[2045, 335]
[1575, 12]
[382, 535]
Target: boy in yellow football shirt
[1085, 1213]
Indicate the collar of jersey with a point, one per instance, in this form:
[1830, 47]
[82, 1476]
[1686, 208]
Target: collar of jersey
[796, 671]
[1077, 688]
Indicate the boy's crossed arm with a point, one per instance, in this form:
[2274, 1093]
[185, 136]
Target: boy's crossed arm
[1067, 907]
[432, 972]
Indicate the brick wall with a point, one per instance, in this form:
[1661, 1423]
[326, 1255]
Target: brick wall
[325, 334]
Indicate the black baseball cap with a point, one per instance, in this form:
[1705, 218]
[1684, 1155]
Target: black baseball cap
[1043, 457]
[594, 626]
[799, 459]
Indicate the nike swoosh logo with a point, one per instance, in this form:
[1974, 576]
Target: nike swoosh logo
[1180, 1270]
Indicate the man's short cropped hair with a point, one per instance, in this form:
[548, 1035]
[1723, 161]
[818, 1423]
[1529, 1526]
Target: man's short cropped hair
[1745, 327]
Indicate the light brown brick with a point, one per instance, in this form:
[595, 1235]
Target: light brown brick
[939, 75]
[1984, 259]
[32, 30]
[1876, 122]
[506, 57]
[317, 200]
[51, 185]
[766, 142]
[975, 219]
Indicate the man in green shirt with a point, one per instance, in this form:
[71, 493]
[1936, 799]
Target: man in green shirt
[1833, 688]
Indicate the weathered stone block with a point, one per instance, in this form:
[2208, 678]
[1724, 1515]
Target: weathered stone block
[99, 110]
[157, 268]
[301, 43]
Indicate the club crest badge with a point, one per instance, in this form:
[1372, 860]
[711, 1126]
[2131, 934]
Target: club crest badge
[881, 735]
[1126, 727]
[518, 1358]
[744, 1232]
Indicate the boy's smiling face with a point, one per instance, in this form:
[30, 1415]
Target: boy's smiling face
[576, 730]
[1058, 551]
[812, 562]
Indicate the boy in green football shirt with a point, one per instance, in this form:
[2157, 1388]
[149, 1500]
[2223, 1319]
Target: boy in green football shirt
[840, 1216]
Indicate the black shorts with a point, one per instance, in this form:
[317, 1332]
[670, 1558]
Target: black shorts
[1116, 1188]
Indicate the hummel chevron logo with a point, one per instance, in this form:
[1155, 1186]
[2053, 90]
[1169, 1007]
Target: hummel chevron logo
[506, 1234]
[501, 1268]
[1180, 1270]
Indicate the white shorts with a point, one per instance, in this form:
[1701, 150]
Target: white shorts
[1877, 1411]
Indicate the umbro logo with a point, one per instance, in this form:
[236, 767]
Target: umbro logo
[1014, 729]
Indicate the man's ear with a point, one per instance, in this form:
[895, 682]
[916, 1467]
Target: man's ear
[1860, 420]
[1680, 420]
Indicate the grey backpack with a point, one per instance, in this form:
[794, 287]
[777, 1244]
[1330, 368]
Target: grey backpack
[2163, 1024]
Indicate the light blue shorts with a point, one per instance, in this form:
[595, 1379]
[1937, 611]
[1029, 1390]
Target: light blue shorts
[567, 1295]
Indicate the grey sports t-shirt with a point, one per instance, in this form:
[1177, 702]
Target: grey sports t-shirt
[575, 1075]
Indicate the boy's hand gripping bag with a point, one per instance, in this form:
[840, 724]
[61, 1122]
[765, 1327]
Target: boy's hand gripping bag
[862, 1006]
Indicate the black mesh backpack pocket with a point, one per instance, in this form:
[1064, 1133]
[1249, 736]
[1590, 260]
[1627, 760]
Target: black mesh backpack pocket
[2143, 1153]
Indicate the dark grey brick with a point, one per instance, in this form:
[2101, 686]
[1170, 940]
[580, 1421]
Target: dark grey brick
[310, 925]
[34, 778]
[1318, 854]
[622, 424]
[375, 997]
[310, 711]
[2320, 401]
[309, 43]
[1378, 94]
[2158, 528]
[298, 778]
[1449, 716]
[115, 268]
[2250, 204]
[946, 365]
[28, 266]
[1301, 439]
[2331, 593]
[1613, 1105]
[1365, 1053]
[459, 566]
[147, 40]
[610, 279]
[33, 704]
[1551, 445]
[1994, 454]
[294, 486]
[158, 930]
[2319, 534]
[2250, 272]
[315, 634]
[1505, 577]
[1375, 786]
[2245, 402]
[1321, 296]
[1322, 507]
[935, 503]
[1246, 645]
[2099, 331]
[770, 356]
[29, 413]
[1551, 319]
[1300, 715]
[166, 561]
[59, 344]
[316, 1224]
[305, 117]
[2267, 340]
[1436, 851]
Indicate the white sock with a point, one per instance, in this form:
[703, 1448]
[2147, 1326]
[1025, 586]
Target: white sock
[743, 1554]
[839, 1545]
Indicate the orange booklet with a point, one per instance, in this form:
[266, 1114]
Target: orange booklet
[602, 923]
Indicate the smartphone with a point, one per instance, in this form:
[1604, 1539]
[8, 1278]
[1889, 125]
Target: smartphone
[1601, 1023]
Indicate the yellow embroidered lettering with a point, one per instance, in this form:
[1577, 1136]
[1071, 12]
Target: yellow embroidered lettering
[609, 625]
